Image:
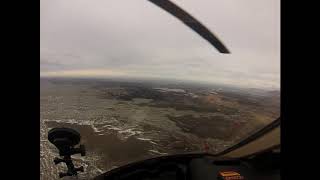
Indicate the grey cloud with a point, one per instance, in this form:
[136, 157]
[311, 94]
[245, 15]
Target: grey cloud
[138, 38]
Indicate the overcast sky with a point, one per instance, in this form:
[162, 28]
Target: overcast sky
[135, 38]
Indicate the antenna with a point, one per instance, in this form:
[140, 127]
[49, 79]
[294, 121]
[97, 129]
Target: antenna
[65, 140]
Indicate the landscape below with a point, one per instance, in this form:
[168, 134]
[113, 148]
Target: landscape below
[124, 121]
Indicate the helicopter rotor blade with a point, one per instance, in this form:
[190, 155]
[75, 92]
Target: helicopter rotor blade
[192, 23]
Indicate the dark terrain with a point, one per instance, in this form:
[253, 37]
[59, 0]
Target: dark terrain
[124, 121]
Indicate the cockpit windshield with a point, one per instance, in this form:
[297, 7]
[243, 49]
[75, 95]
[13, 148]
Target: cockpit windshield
[137, 82]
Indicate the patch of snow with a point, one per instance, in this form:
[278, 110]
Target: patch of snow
[170, 90]
[157, 152]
